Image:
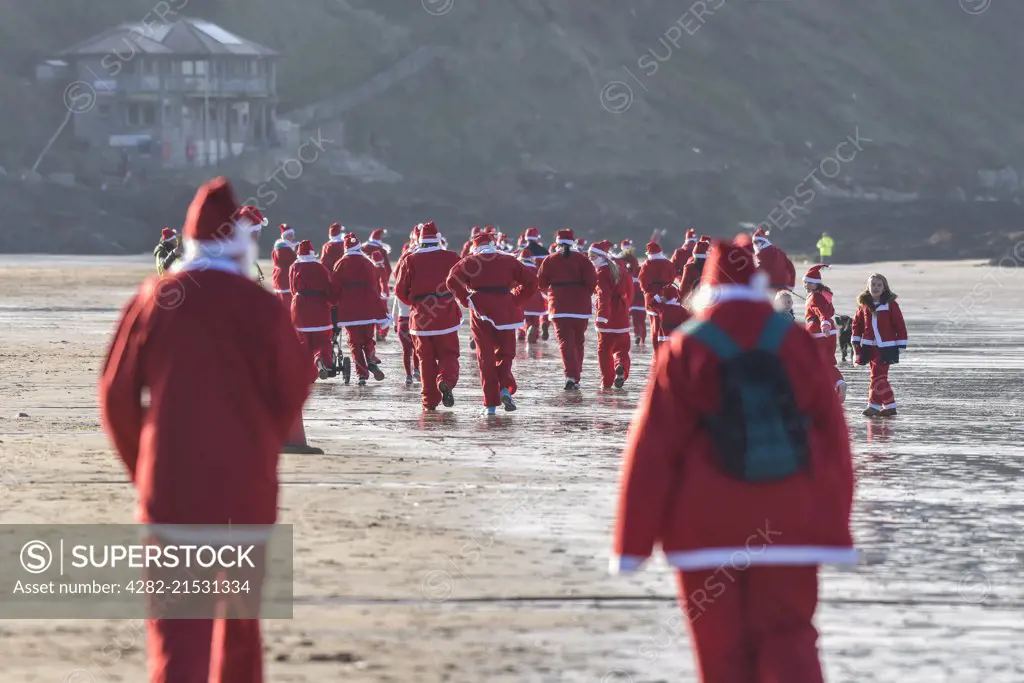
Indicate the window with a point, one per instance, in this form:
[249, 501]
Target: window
[140, 114]
[254, 67]
[149, 114]
[194, 67]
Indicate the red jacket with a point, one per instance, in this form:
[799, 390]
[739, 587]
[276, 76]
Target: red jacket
[656, 272]
[690, 279]
[774, 262]
[311, 296]
[613, 298]
[671, 315]
[674, 494]
[493, 286]
[332, 250]
[878, 328]
[569, 281]
[682, 255]
[818, 312]
[421, 283]
[633, 266]
[537, 304]
[226, 376]
[282, 257]
[355, 285]
[377, 252]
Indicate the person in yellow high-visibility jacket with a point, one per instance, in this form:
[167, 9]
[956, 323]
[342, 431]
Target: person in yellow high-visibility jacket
[825, 245]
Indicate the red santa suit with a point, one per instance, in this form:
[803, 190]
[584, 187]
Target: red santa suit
[774, 262]
[569, 279]
[535, 308]
[493, 286]
[637, 309]
[681, 256]
[204, 451]
[671, 313]
[467, 247]
[435, 317]
[614, 295]
[656, 272]
[878, 335]
[282, 257]
[818, 316]
[355, 285]
[311, 308]
[333, 249]
[746, 553]
[378, 252]
[690, 278]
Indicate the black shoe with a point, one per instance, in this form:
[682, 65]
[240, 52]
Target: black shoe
[871, 412]
[346, 369]
[377, 373]
[544, 331]
[620, 377]
[472, 345]
[506, 400]
[322, 370]
[888, 412]
[362, 382]
[569, 385]
[638, 340]
[447, 397]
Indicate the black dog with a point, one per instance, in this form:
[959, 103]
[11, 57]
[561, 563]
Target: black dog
[845, 325]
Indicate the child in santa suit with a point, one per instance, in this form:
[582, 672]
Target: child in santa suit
[493, 285]
[310, 283]
[282, 257]
[355, 285]
[671, 313]
[202, 448]
[614, 296]
[818, 316]
[744, 523]
[569, 279]
[879, 333]
[637, 310]
[534, 308]
[656, 272]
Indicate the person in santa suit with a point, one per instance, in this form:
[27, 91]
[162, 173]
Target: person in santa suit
[493, 287]
[818, 316]
[668, 304]
[747, 570]
[167, 251]
[637, 309]
[614, 297]
[435, 317]
[467, 248]
[774, 262]
[384, 291]
[283, 256]
[310, 283]
[355, 288]
[581, 245]
[656, 272]
[569, 280]
[693, 269]
[682, 255]
[202, 448]
[536, 307]
[879, 333]
[400, 313]
[334, 248]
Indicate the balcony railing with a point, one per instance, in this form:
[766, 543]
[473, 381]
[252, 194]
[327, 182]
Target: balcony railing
[193, 84]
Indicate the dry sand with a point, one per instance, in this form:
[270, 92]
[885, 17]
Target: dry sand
[449, 547]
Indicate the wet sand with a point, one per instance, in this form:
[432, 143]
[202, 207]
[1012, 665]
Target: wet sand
[450, 547]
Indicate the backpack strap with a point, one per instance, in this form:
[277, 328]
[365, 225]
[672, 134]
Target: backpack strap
[773, 333]
[711, 336]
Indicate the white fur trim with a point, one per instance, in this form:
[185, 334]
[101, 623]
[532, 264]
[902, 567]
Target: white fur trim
[425, 250]
[336, 238]
[509, 326]
[282, 291]
[535, 238]
[700, 256]
[637, 308]
[356, 323]
[225, 265]
[216, 535]
[657, 257]
[578, 316]
[427, 240]
[321, 328]
[600, 253]
[571, 243]
[607, 331]
[435, 333]
[771, 555]
[757, 290]
[307, 258]
[625, 564]
[813, 281]
[536, 313]
[236, 245]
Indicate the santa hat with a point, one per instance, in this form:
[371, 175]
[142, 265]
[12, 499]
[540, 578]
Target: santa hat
[653, 248]
[565, 237]
[700, 250]
[601, 248]
[378, 234]
[691, 235]
[351, 241]
[482, 240]
[474, 232]
[168, 234]
[729, 275]
[254, 216]
[215, 227]
[705, 238]
[760, 239]
[626, 245]
[304, 252]
[334, 230]
[532, 235]
[429, 233]
[813, 275]
[490, 229]
[286, 232]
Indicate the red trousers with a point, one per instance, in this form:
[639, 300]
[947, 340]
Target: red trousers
[612, 352]
[363, 348]
[409, 358]
[439, 362]
[570, 332]
[880, 394]
[319, 348]
[753, 625]
[532, 327]
[639, 324]
[495, 350]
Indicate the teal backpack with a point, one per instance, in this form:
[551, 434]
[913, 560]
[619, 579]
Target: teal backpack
[759, 433]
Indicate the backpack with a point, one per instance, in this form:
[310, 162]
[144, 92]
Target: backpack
[759, 433]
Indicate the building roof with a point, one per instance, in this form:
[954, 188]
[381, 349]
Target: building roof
[184, 36]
